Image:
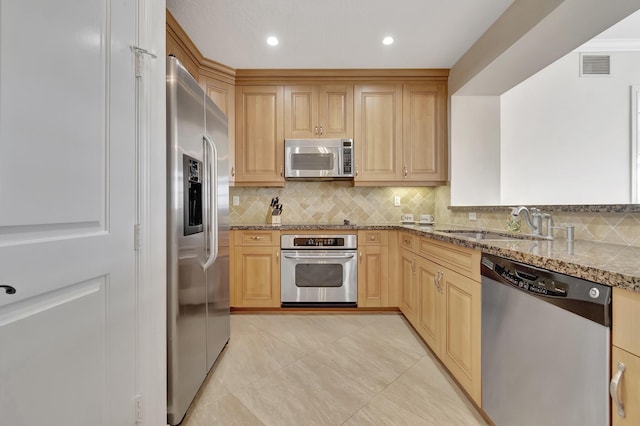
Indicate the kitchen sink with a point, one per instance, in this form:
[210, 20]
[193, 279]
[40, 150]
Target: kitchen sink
[479, 235]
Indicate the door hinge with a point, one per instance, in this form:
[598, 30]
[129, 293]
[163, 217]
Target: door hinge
[137, 237]
[139, 52]
[138, 409]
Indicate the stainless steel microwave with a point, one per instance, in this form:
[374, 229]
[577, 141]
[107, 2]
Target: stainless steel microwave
[318, 159]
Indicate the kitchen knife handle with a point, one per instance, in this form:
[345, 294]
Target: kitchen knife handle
[212, 215]
[614, 389]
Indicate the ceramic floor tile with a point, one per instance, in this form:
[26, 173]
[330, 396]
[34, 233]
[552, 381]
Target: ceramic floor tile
[227, 411]
[383, 412]
[328, 369]
[428, 393]
[252, 356]
[365, 360]
[305, 393]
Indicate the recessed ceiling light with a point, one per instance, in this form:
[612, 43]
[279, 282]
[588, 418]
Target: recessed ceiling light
[387, 40]
[272, 41]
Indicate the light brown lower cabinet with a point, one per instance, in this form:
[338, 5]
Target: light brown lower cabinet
[444, 307]
[255, 269]
[408, 286]
[625, 355]
[373, 269]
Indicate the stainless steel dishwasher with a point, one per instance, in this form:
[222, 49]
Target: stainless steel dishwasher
[545, 346]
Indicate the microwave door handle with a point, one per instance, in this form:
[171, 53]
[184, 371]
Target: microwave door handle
[211, 173]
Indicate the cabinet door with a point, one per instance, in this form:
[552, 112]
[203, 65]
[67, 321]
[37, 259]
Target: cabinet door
[408, 291]
[259, 136]
[257, 276]
[424, 127]
[335, 111]
[373, 276]
[629, 389]
[462, 327]
[223, 95]
[301, 112]
[430, 306]
[378, 133]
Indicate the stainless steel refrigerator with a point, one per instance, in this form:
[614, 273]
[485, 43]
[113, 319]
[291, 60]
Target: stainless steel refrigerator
[197, 237]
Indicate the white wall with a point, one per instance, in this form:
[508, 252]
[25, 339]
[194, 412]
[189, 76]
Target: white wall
[565, 139]
[475, 147]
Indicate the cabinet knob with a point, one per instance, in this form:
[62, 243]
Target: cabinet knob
[356, 170]
[373, 238]
[406, 171]
[321, 131]
[233, 172]
[277, 257]
[281, 171]
[316, 132]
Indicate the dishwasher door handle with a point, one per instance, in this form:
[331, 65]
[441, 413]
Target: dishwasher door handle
[614, 389]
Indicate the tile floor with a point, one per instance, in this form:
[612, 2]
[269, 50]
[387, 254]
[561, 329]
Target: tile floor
[328, 369]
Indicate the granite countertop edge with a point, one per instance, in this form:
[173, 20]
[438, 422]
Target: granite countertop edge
[565, 263]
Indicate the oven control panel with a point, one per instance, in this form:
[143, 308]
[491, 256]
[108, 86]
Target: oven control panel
[317, 241]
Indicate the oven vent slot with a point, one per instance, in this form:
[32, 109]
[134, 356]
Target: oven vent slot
[595, 65]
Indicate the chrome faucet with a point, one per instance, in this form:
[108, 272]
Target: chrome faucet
[531, 216]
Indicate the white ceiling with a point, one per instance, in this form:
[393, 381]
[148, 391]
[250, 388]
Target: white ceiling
[336, 33]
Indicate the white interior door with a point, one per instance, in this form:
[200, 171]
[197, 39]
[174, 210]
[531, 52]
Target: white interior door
[67, 210]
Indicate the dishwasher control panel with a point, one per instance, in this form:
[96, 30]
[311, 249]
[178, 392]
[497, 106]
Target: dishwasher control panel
[532, 283]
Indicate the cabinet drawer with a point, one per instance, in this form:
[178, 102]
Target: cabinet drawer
[372, 238]
[257, 238]
[408, 241]
[460, 259]
[626, 320]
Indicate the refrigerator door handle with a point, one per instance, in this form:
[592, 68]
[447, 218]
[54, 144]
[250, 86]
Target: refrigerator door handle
[212, 204]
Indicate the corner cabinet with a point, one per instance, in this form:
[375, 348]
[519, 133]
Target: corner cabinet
[318, 111]
[373, 269]
[255, 266]
[223, 95]
[259, 136]
[625, 358]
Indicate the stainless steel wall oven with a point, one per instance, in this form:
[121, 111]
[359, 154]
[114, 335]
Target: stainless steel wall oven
[319, 270]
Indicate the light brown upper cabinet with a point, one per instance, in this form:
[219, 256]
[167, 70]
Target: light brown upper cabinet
[378, 134]
[224, 96]
[259, 136]
[318, 111]
[424, 132]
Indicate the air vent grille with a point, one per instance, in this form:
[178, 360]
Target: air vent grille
[595, 65]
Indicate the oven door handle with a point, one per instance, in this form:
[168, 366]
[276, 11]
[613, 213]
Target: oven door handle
[346, 256]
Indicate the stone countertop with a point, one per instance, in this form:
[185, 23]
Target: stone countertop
[610, 264]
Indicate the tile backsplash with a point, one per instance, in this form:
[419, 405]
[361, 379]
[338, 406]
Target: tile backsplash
[332, 202]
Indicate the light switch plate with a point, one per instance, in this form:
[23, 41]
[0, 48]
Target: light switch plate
[473, 216]
[396, 200]
[236, 200]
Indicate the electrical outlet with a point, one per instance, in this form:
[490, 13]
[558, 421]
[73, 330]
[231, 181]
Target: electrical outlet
[473, 216]
[236, 200]
[396, 200]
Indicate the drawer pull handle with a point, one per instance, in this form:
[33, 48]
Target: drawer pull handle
[614, 389]
[257, 238]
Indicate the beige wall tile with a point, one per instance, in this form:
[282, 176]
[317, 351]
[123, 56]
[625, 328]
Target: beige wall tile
[332, 202]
